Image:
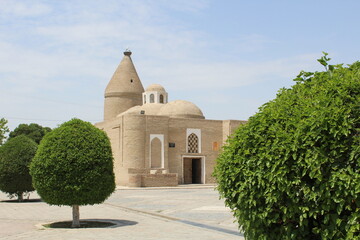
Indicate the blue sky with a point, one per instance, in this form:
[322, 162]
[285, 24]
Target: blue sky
[228, 57]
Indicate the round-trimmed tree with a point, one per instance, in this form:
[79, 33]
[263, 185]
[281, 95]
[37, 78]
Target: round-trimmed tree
[15, 157]
[74, 166]
[293, 171]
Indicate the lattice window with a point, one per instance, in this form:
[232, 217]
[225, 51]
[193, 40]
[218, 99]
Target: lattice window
[152, 97]
[193, 143]
[161, 98]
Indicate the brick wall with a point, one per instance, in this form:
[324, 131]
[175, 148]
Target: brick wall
[159, 180]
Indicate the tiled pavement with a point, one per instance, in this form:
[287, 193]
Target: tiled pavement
[185, 212]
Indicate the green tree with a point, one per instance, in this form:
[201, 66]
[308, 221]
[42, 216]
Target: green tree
[3, 129]
[15, 157]
[74, 166]
[32, 130]
[293, 171]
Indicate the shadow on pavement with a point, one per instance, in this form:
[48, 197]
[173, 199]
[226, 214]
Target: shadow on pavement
[92, 223]
[35, 200]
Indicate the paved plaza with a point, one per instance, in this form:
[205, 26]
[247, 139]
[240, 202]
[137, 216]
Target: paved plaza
[184, 212]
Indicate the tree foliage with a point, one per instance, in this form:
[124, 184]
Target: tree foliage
[15, 157]
[32, 130]
[3, 129]
[74, 165]
[293, 171]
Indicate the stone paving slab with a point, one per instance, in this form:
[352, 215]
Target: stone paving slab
[139, 213]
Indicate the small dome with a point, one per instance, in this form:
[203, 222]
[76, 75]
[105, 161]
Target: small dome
[149, 109]
[181, 109]
[155, 88]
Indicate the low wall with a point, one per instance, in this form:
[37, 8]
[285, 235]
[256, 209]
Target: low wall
[152, 178]
[159, 180]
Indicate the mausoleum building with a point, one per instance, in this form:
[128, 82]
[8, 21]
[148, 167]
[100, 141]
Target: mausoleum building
[157, 142]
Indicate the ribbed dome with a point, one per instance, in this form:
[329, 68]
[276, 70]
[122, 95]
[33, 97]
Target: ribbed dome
[149, 109]
[181, 109]
[156, 88]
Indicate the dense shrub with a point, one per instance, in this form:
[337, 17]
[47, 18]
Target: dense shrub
[293, 171]
[32, 130]
[15, 157]
[74, 165]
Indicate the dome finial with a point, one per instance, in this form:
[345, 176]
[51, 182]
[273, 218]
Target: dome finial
[127, 52]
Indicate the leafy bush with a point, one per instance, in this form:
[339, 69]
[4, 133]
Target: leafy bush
[15, 157]
[74, 165]
[293, 171]
[32, 130]
[3, 130]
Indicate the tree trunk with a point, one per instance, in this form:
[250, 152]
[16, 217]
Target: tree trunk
[76, 216]
[20, 197]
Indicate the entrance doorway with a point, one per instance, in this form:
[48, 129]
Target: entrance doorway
[192, 171]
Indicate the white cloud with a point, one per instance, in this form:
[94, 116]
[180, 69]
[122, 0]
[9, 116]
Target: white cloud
[69, 56]
[30, 71]
[23, 9]
[185, 5]
[222, 75]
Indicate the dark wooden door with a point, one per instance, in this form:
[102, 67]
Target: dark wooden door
[196, 170]
[187, 170]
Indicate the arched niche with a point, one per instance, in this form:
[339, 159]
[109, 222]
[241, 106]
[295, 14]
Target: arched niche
[156, 153]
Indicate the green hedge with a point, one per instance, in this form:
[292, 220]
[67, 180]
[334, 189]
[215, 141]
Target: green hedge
[293, 171]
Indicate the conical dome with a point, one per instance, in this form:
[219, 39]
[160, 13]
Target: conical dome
[124, 90]
[125, 78]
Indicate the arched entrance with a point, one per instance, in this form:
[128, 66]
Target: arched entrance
[193, 170]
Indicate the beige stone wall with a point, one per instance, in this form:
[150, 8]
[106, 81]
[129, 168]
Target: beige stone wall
[156, 125]
[159, 180]
[113, 130]
[134, 136]
[151, 178]
[229, 127]
[116, 103]
[130, 140]
[211, 131]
